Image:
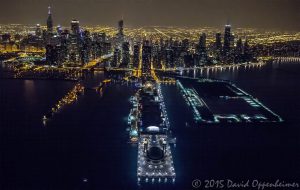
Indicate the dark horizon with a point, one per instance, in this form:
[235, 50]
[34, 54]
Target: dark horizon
[261, 14]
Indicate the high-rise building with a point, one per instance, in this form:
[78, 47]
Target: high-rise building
[227, 40]
[248, 56]
[125, 55]
[38, 30]
[238, 52]
[59, 30]
[218, 44]
[102, 37]
[146, 57]
[202, 51]
[232, 42]
[120, 34]
[65, 45]
[106, 47]
[185, 44]
[202, 42]
[121, 27]
[49, 21]
[156, 56]
[74, 49]
[53, 54]
[169, 58]
[6, 38]
[218, 47]
[136, 55]
[177, 55]
[116, 58]
[189, 60]
[75, 28]
[85, 47]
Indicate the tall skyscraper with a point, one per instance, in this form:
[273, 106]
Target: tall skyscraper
[116, 58]
[121, 25]
[52, 54]
[75, 27]
[218, 44]
[185, 44]
[146, 57]
[202, 44]
[38, 30]
[106, 47]
[120, 35]
[202, 51]
[232, 41]
[238, 52]
[49, 21]
[169, 58]
[125, 55]
[218, 47]
[248, 56]
[227, 40]
[6, 38]
[59, 30]
[85, 47]
[156, 54]
[136, 55]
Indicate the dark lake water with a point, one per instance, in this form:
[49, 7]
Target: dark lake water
[86, 145]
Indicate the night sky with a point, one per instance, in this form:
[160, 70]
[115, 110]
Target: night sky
[265, 14]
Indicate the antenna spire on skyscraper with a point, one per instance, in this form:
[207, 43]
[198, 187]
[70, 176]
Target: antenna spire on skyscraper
[49, 21]
[49, 10]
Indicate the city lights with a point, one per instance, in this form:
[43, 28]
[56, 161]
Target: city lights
[149, 94]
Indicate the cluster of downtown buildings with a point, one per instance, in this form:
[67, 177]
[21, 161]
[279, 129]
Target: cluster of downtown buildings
[77, 47]
[164, 54]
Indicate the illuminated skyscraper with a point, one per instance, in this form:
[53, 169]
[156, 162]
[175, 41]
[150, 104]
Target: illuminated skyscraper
[136, 55]
[49, 21]
[6, 38]
[125, 55]
[75, 27]
[121, 25]
[53, 54]
[248, 55]
[232, 42]
[38, 30]
[85, 47]
[218, 47]
[202, 51]
[120, 35]
[202, 44]
[146, 57]
[156, 54]
[116, 58]
[59, 30]
[169, 58]
[218, 44]
[238, 52]
[106, 48]
[227, 40]
[185, 44]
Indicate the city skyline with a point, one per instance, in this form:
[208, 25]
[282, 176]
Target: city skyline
[279, 15]
[149, 94]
